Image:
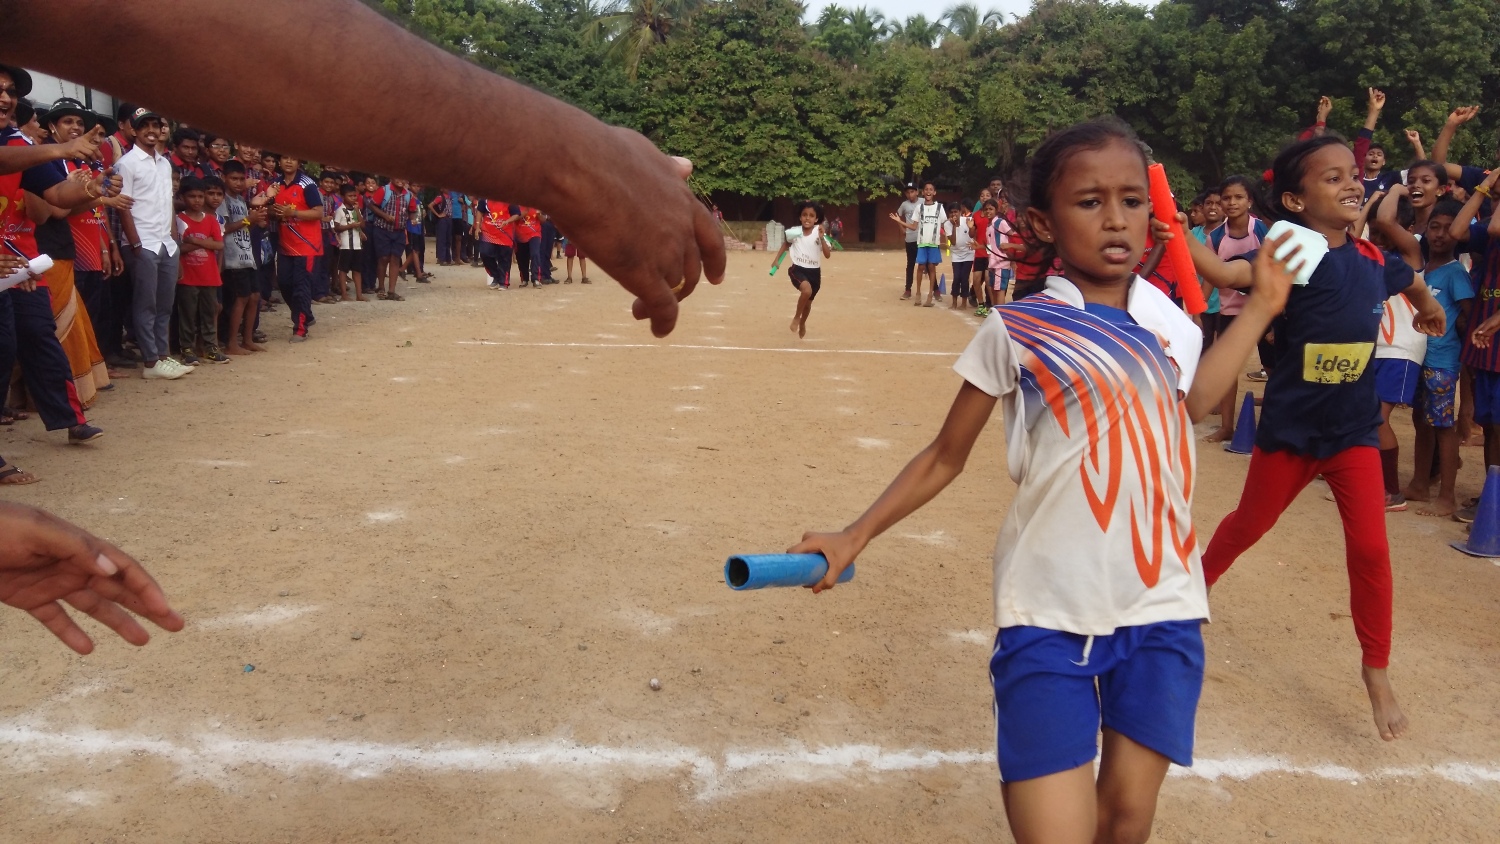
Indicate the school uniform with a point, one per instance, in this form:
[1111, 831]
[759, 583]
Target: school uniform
[300, 246]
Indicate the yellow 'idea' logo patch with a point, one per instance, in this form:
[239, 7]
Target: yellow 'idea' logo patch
[1335, 363]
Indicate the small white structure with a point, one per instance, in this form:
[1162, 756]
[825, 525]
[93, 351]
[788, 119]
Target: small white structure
[45, 90]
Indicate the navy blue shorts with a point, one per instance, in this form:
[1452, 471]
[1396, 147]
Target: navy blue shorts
[1396, 380]
[1054, 689]
[1486, 397]
[929, 255]
[388, 244]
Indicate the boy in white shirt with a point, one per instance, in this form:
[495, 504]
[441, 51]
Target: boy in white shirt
[348, 224]
[958, 233]
[927, 222]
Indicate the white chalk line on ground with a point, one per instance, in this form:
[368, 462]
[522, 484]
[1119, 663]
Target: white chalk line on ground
[264, 617]
[708, 348]
[216, 757]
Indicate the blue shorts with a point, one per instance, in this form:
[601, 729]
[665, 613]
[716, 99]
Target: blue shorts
[929, 255]
[1396, 380]
[1486, 397]
[1048, 708]
[1437, 397]
[1003, 279]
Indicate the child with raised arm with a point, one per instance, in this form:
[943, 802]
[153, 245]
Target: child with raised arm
[1433, 415]
[808, 251]
[1321, 413]
[1098, 590]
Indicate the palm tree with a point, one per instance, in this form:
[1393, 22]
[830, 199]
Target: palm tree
[919, 31]
[869, 26]
[631, 27]
[965, 23]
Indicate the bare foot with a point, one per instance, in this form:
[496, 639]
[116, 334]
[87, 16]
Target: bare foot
[1388, 717]
[802, 328]
[796, 323]
[255, 347]
[236, 350]
[1417, 491]
[1440, 507]
[1222, 435]
[1475, 438]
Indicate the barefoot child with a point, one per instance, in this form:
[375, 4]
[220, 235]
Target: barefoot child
[1098, 590]
[958, 235]
[1320, 412]
[348, 229]
[1433, 415]
[927, 222]
[808, 251]
[1399, 347]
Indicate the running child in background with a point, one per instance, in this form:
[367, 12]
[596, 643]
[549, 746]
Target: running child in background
[1240, 234]
[808, 251]
[494, 231]
[1321, 414]
[1433, 415]
[1399, 347]
[348, 228]
[1099, 594]
[958, 235]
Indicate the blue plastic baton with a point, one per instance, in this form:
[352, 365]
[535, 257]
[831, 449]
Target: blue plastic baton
[757, 571]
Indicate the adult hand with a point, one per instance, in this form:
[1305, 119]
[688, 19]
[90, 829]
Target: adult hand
[665, 242]
[119, 201]
[10, 262]
[45, 561]
[85, 147]
[839, 549]
[116, 264]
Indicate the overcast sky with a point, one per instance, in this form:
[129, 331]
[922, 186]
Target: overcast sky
[903, 9]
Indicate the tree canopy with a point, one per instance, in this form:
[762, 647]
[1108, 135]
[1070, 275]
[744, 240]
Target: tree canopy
[768, 106]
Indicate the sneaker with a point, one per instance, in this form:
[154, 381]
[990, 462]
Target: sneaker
[188, 359]
[260, 336]
[1258, 375]
[1395, 502]
[298, 337]
[163, 371]
[213, 355]
[1466, 514]
[906, 295]
[84, 433]
[495, 285]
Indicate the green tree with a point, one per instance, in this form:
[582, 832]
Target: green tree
[918, 31]
[632, 27]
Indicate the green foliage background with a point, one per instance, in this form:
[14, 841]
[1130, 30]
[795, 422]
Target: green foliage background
[767, 106]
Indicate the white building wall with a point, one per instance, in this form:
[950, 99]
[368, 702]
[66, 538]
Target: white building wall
[46, 90]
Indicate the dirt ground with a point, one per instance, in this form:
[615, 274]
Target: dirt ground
[456, 537]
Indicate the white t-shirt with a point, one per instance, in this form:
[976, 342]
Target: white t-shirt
[1001, 232]
[962, 239]
[806, 250]
[1100, 534]
[1398, 338]
[930, 219]
[345, 216]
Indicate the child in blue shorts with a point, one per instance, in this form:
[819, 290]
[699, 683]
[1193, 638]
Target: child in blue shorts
[1099, 589]
[927, 222]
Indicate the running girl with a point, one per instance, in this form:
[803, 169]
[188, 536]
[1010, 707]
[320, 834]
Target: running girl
[1321, 412]
[808, 251]
[1098, 590]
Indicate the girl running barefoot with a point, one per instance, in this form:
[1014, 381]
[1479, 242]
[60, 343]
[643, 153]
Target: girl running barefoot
[1099, 592]
[1321, 413]
[808, 251]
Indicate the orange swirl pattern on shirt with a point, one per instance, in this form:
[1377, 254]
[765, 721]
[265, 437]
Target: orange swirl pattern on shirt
[1124, 396]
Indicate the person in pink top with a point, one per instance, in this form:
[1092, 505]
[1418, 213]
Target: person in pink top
[1241, 234]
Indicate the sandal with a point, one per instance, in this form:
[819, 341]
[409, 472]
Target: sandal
[586, 280]
[568, 280]
[9, 415]
[14, 476]
[394, 297]
[380, 295]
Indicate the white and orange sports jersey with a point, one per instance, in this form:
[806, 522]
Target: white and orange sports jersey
[1399, 337]
[1100, 534]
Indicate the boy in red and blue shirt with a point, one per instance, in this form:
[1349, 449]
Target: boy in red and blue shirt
[299, 206]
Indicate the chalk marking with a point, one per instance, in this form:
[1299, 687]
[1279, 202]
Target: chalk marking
[223, 464]
[871, 442]
[402, 379]
[686, 407]
[803, 351]
[382, 516]
[217, 757]
[972, 637]
[454, 460]
[936, 538]
[264, 617]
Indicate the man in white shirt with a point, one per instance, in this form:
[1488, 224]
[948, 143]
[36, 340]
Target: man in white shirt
[147, 175]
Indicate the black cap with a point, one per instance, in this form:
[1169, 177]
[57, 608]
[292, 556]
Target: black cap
[141, 115]
[911, 185]
[19, 76]
[67, 106]
[124, 110]
[24, 111]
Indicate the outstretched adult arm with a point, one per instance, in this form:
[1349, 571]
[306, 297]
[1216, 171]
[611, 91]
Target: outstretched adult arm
[594, 171]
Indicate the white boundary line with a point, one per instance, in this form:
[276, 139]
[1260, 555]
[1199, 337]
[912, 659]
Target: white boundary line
[216, 757]
[707, 348]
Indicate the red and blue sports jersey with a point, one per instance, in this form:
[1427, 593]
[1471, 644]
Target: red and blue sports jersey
[492, 215]
[301, 237]
[1486, 278]
[16, 228]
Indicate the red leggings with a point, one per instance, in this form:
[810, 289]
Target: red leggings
[1274, 480]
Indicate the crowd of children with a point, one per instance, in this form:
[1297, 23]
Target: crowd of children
[193, 240]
